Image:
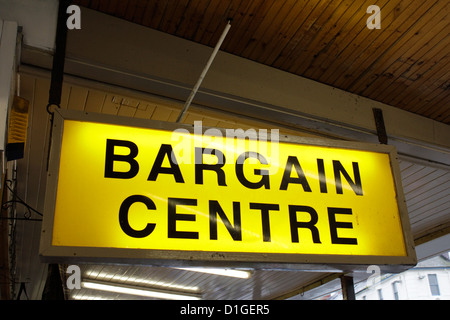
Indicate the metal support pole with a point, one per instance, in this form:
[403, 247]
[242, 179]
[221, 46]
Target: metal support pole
[53, 289]
[348, 288]
[203, 74]
[59, 55]
[379, 124]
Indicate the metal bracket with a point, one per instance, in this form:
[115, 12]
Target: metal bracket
[379, 124]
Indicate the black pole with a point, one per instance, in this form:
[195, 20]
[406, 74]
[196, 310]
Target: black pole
[379, 124]
[348, 288]
[59, 55]
[53, 289]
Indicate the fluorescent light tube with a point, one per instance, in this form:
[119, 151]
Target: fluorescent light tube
[220, 271]
[140, 282]
[138, 291]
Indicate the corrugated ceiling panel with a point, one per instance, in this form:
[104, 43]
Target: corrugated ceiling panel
[427, 194]
[261, 284]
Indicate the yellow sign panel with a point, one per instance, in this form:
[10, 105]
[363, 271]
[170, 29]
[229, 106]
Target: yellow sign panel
[142, 188]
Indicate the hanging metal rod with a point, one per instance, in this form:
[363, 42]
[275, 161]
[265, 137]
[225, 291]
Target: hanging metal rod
[203, 74]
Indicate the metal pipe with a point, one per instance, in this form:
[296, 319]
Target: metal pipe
[348, 288]
[203, 74]
[57, 75]
[59, 56]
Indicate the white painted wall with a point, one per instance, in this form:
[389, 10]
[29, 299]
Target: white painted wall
[412, 285]
[37, 17]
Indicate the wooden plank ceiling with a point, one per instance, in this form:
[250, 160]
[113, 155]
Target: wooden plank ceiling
[404, 64]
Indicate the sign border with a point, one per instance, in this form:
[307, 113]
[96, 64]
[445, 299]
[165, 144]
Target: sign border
[270, 261]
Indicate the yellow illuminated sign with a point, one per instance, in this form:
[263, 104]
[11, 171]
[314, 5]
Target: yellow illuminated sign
[133, 187]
